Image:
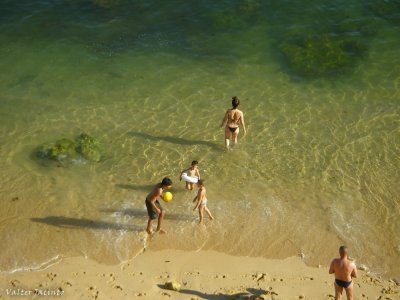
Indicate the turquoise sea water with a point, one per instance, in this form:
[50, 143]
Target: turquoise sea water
[151, 80]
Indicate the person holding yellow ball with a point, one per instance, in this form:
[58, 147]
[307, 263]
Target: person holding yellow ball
[154, 207]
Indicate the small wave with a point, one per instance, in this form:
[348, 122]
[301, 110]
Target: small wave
[36, 267]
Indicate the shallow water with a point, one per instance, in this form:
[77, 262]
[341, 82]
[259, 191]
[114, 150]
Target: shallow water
[151, 80]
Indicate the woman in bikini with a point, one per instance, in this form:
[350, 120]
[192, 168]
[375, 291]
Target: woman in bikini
[232, 119]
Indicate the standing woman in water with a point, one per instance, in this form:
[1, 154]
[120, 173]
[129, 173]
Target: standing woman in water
[232, 119]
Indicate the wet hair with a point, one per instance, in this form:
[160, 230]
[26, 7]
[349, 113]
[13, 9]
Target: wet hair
[166, 181]
[195, 162]
[343, 250]
[235, 101]
[200, 181]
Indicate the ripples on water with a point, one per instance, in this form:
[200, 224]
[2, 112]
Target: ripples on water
[151, 80]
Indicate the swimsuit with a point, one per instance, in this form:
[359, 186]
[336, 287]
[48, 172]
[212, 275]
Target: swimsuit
[150, 210]
[342, 283]
[204, 202]
[232, 129]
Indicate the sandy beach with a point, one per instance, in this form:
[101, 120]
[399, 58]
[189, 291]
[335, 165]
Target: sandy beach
[146, 84]
[202, 275]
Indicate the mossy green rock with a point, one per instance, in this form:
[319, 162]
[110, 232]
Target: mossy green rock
[173, 286]
[67, 151]
[322, 55]
[58, 150]
[88, 147]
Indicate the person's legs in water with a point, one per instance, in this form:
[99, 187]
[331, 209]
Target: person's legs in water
[149, 226]
[160, 219]
[208, 213]
[234, 136]
[201, 208]
[227, 136]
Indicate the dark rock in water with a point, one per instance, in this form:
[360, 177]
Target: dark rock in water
[65, 151]
[322, 55]
[58, 150]
[88, 147]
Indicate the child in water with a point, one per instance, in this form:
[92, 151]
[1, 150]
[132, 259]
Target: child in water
[192, 171]
[201, 201]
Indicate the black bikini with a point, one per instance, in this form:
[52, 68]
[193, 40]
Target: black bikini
[342, 283]
[232, 129]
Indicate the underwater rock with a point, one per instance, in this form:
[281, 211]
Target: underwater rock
[58, 150]
[88, 147]
[66, 151]
[173, 286]
[322, 55]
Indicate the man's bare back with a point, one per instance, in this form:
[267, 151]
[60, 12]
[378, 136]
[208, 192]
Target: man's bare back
[344, 270]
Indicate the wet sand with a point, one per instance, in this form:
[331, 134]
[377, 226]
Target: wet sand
[202, 275]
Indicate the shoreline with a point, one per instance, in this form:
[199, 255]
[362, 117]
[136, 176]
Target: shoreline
[202, 275]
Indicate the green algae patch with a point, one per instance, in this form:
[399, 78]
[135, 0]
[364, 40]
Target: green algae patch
[58, 149]
[67, 151]
[322, 55]
[88, 147]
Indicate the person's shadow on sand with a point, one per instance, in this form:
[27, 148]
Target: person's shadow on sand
[174, 140]
[250, 294]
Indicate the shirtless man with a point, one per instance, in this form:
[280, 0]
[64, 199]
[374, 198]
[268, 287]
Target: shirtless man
[154, 207]
[232, 119]
[344, 271]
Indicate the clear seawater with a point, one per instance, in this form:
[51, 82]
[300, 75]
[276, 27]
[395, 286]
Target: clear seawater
[151, 81]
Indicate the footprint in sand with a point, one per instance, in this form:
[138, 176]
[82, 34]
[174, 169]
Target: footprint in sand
[66, 283]
[259, 276]
[51, 276]
[118, 287]
[384, 298]
[112, 278]
[307, 278]
[389, 290]
[95, 293]
[192, 273]
[15, 282]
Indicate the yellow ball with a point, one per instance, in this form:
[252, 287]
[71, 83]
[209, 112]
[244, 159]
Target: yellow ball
[167, 196]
